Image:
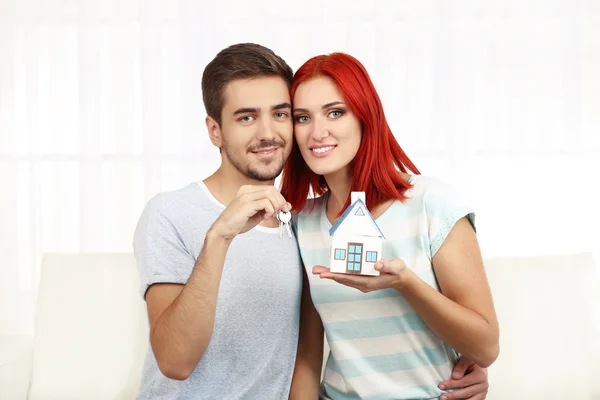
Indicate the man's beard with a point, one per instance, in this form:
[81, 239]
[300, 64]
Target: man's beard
[253, 172]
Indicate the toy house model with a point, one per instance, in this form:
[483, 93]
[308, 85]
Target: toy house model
[357, 240]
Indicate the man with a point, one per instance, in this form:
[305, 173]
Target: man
[223, 291]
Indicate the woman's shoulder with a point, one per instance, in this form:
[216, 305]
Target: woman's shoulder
[431, 193]
[439, 196]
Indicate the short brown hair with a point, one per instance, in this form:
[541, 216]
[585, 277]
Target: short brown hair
[239, 61]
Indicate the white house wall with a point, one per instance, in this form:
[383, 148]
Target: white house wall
[370, 243]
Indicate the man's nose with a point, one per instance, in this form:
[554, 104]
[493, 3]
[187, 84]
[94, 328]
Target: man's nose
[266, 130]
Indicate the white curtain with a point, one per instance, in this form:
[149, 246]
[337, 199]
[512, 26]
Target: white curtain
[101, 108]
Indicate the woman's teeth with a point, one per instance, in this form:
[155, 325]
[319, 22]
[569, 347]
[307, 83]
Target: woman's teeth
[323, 149]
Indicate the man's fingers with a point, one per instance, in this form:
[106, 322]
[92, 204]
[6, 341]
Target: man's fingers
[480, 396]
[251, 193]
[462, 367]
[467, 393]
[475, 377]
[269, 209]
[262, 205]
[277, 199]
[273, 195]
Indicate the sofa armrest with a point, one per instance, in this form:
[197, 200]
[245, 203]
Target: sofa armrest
[15, 366]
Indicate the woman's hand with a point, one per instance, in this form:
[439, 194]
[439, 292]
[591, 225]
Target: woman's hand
[393, 274]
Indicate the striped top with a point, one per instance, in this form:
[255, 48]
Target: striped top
[380, 348]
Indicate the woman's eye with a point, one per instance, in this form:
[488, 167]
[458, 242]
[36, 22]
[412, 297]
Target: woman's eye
[336, 113]
[302, 119]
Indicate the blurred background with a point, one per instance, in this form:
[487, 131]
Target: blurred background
[101, 108]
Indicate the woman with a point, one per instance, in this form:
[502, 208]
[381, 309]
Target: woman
[398, 335]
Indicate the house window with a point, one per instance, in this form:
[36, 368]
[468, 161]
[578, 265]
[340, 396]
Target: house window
[371, 256]
[354, 257]
[359, 211]
[340, 254]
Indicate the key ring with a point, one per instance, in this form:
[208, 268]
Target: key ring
[284, 219]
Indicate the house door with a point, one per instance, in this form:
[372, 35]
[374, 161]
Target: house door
[354, 263]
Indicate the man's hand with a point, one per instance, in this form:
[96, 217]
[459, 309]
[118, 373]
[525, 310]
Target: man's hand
[469, 378]
[252, 205]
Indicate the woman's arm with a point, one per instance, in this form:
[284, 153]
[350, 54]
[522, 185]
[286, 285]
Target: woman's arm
[464, 316]
[309, 359]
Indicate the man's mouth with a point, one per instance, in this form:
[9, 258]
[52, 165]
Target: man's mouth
[266, 151]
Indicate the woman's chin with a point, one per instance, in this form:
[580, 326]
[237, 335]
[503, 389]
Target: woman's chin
[324, 170]
[320, 169]
[332, 166]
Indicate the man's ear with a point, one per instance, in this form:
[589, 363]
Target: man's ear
[214, 132]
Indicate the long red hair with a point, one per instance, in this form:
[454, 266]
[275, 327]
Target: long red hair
[379, 152]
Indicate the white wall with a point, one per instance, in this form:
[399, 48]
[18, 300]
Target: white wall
[100, 108]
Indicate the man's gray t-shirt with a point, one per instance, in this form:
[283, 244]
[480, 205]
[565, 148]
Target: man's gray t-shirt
[252, 350]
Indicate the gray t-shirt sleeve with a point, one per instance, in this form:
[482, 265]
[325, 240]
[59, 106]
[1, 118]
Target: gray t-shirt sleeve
[158, 245]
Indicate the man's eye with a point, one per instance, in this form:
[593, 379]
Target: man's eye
[280, 115]
[246, 118]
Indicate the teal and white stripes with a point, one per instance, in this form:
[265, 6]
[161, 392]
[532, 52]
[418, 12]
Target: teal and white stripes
[380, 348]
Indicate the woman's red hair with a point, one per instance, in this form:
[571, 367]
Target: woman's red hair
[379, 153]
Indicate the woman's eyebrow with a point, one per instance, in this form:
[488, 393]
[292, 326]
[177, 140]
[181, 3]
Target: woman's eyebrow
[333, 103]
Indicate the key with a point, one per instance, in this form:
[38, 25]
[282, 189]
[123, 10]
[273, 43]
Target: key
[284, 220]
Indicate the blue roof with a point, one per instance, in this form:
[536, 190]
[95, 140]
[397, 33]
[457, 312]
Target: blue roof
[347, 212]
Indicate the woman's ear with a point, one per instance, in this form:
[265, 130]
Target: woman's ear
[214, 132]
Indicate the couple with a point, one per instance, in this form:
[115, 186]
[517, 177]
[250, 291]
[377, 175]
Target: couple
[236, 312]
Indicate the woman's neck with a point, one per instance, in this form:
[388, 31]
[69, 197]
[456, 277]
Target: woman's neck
[339, 184]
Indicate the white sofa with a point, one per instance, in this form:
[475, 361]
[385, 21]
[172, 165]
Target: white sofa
[92, 332]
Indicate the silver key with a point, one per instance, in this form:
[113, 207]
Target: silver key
[284, 220]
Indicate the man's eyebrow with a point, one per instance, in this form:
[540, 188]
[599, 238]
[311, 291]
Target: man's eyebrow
[333, 103]
[255, 110]
[281, 106]
[245, 110]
